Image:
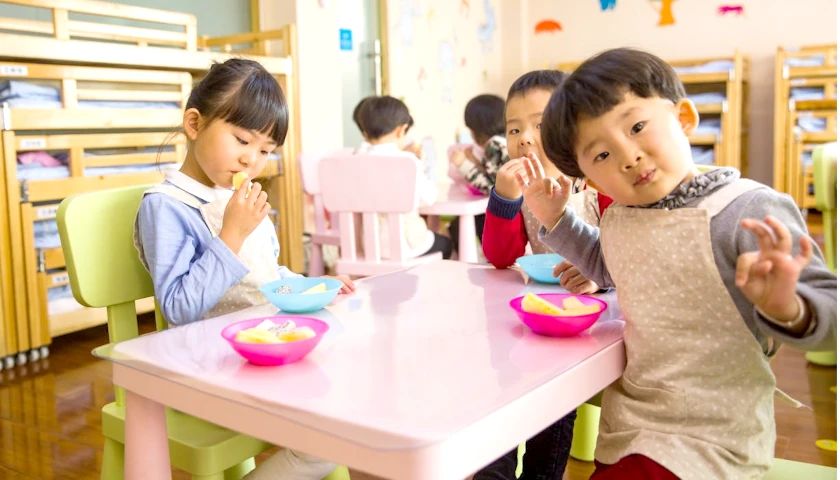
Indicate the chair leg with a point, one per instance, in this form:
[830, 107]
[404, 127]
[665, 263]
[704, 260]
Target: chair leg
[586, 432]
[316, 261]
[113, 460]
[239, 471]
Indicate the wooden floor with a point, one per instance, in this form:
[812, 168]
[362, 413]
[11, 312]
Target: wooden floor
[50, 419]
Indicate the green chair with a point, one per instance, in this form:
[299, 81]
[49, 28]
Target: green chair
[96, 232]
[825, 191]
[788, 470]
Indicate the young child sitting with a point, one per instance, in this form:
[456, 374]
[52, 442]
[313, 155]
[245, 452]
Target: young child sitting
[510, 227]
[386, 120]
[712, 272]
[484, 115]
[209, 248]
[507, 232]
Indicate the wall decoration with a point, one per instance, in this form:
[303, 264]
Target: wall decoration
[323, 3]
[607, 5]
[548, 26]
[666, 13]
[464, 8]
[463, 62]
[430, 16]
[408, 11]
[485, 75]
[733, 9]
[421, 78]
[446, 64]
[486, 30]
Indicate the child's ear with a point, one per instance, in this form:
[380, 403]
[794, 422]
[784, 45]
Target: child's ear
[401, 130]
[687, 116]
[192, 120]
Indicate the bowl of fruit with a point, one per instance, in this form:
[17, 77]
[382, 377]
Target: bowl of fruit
[301, 294]
[558, 314]
[277, 340]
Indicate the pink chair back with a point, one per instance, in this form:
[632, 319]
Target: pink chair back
[370, 186]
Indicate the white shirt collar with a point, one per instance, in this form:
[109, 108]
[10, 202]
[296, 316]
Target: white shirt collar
[196, 188]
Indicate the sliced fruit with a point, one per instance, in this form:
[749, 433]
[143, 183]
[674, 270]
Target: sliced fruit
[239, 179]
[320, 288]
[570, 303]
[253, 335]
[301, 333]
[584, 310]
[534, 304]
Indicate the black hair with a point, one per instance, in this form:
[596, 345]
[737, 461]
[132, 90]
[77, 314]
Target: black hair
[538, 79]
[242, 93]
[597, 86]
[380, 116]
[357, 117]
[485, 116]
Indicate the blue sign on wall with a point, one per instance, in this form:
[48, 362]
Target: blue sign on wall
[345, 38]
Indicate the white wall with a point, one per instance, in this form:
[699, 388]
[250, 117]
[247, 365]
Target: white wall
[698, 32]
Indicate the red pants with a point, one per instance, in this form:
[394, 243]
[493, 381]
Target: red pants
[633, 467]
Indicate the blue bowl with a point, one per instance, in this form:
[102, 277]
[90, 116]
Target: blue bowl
[297, 302]
[540, 267]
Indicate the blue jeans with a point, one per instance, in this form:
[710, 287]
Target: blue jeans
[545, 458]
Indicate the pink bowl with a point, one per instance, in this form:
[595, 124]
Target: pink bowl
[272, 354]
[473, 190]
[552, 326]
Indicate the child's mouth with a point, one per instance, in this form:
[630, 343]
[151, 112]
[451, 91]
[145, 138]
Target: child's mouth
[645, 177]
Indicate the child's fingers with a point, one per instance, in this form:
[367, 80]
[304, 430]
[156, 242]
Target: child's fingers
[806, 251]
[576, 282]
[536, 165]
[550, 186]
[265, 209]
[561, 267]
[254, 194]
[520, 180]
[764, 235]
[530, 173]
[781, 232]
[742, 267]
[565, 182]
[348, 283]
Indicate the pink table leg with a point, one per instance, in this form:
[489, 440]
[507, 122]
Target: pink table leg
[467, 251]
[146, 442]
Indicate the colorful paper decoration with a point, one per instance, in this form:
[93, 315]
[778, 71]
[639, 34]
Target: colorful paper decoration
[548, 26]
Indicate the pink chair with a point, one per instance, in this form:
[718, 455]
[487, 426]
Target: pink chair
[322, 235]
[371, 185]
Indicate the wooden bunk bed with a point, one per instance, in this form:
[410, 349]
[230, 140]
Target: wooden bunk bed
[92, 76]
[805, 116]
[718, 88]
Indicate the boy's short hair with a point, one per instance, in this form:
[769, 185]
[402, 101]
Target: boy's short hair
[380, 116]
[357, 113]
[485, 116]
[538, 79]
[597, 86]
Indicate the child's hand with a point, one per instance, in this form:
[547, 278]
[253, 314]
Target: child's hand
[572, 280]
[243, 213]
[545, 197]
[506, 185]
[470, 156]
[348, 287]
[769, 276]
[458, 158]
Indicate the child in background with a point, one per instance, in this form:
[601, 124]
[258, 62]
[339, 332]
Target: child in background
[708, 268]
[484, 115]
[507, 232]
[386, 121]
[358, 121]
[209, 248]
[510, 226]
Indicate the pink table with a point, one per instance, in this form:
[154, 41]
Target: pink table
[454, 199]
[425, 374]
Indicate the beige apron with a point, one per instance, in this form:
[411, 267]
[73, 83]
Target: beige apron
[697, 393]
[256, 253]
